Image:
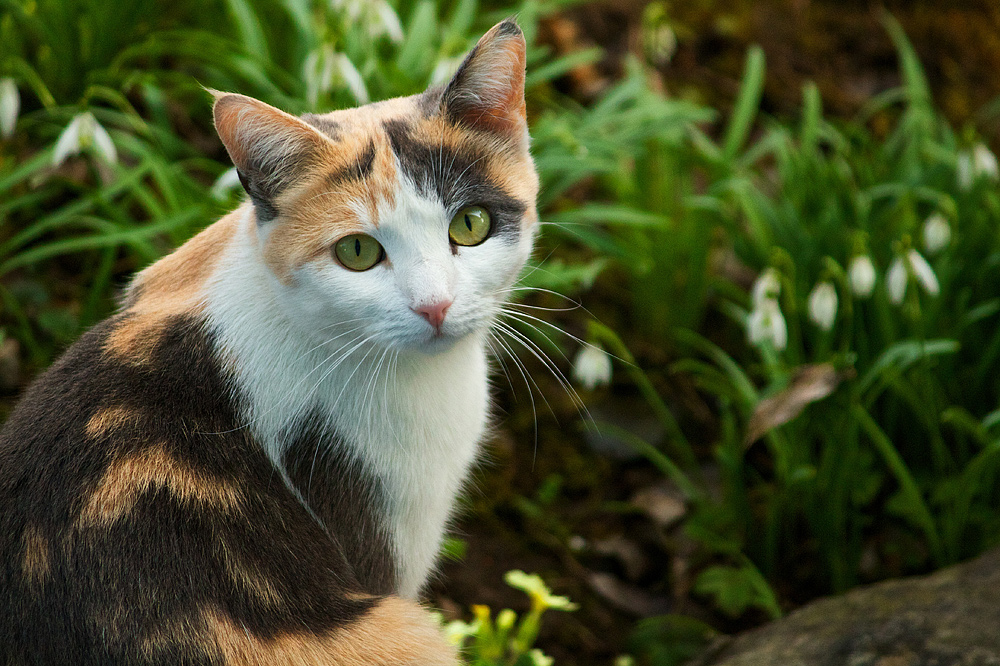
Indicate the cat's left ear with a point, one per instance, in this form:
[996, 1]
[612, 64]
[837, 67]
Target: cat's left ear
[270, 148]
[487, 91]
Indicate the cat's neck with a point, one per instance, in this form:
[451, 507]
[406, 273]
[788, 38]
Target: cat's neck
[411, 419]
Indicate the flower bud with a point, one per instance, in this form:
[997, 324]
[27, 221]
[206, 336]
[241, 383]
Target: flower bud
[10, 104]
[592, 367]
[895, 281]
[766, 286]
[823, 305]
[861, 276]
[937, 233]
[923, 272]
[766, 324]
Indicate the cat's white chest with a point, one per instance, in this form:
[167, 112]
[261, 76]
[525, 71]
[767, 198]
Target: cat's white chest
[418, 430]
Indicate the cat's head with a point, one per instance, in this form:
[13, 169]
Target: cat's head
[406, 220]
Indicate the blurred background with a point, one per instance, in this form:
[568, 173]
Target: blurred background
[756, 359]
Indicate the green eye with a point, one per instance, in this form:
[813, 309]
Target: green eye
[470, 227]
[358, 252]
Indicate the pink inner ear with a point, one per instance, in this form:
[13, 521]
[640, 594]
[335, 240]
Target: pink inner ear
[488, 90]
[260, 138]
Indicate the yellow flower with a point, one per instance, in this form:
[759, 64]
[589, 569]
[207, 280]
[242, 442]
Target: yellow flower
[541, 596]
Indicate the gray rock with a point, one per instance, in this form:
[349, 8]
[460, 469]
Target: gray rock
[949, 618]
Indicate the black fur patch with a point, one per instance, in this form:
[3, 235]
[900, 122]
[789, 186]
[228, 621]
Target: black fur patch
[262, 198]
[346, 497]
[108, 587]
[359, 169]
[329, 127]
[457, 177]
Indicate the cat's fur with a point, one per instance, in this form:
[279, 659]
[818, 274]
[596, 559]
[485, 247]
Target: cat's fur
[254, 460]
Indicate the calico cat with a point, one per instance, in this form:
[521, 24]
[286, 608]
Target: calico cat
[254, 460]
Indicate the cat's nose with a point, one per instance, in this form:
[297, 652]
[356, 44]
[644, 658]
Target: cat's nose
[434, 312]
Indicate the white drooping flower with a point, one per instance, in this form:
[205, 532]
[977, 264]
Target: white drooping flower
[10, 105]
[823, 305]
[895, 281]
[323, 68]
[352, 78]
[377, 16]
[923, 272]
[224, 184]
[390, 21]
[591, 367]
[899, 276]
[445, 69]
[766, 324]
[766, 286]
[318, 72]
[937, 233]
[861, 276]
[84, 132]
[985, 162]
[975, 163]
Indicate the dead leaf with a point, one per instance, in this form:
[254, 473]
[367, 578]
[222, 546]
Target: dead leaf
[10, 364]
[629, 598]
[664, 505]
[809, 384]
[629, 555]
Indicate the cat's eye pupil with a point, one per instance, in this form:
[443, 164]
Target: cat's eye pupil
[358, 252]
[471, 226]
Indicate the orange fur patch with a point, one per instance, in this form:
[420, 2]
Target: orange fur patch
[110, 418]
[394, 633]
[248, 578]
[174, 285]
[317, 214]
[128, 478]
[36, 563]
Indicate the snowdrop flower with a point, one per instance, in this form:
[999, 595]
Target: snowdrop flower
[937, 233]
[317, 71]
[390, 21]
[445, 69]
[323, 68]
[352, 78]
[224, 184]
[972, 164]
[83, 132]
[766, 286]
[823, 305]
[591, 367]
[923, 272]
[378, 17]
[861, 276]
[10, 104]
[767, 324]
[899, 276]
[895, 281]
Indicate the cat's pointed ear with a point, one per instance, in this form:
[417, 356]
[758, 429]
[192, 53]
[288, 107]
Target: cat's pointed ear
[487, 91]
[269, 147]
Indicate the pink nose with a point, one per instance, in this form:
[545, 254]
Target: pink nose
[434, 312]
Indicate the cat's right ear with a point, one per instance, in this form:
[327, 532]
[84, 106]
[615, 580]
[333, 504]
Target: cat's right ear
[487, 91]
[269, 147]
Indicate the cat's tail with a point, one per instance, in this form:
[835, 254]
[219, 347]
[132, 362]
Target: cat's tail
[394, 632]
